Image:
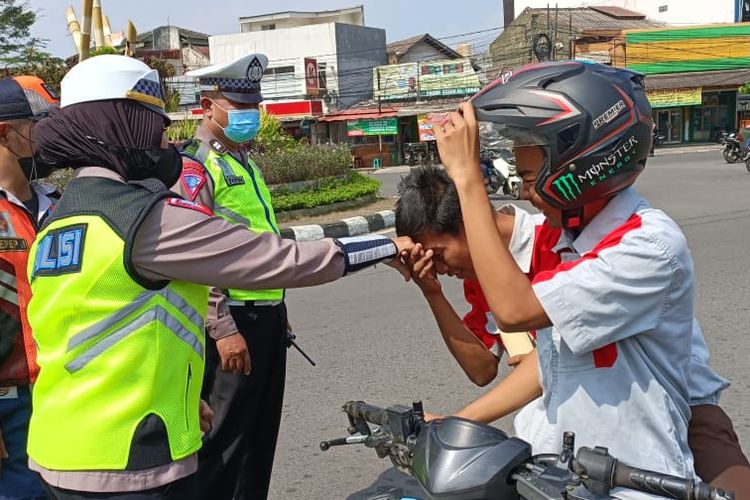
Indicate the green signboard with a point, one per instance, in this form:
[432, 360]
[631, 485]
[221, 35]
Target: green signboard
[384, 126]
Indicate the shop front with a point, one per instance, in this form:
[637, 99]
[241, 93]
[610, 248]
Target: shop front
[373, 141]
[693, 114]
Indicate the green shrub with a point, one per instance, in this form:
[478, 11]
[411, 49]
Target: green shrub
[272, 136]
[182, 130]
[303, 162]
[333, 191]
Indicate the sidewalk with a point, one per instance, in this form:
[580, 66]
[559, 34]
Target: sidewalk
[702, 147]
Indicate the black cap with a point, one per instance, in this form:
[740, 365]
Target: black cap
[13, 102]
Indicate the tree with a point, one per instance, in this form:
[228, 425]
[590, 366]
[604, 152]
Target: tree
[165, 70]
[15, 22]
[48, 68]
[745, 88]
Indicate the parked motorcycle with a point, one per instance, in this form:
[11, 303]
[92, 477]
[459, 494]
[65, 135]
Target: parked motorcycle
[413, 153]
[457, 459]
[658, 138]
[499, 170]
[734, 147]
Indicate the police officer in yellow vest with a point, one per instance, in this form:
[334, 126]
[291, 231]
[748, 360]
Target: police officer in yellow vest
[120, 276]
[237, 459]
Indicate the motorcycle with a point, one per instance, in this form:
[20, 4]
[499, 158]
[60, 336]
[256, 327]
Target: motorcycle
[413, 153]
[734, 149]
[499, 170]
[658, 139]
[458, 459]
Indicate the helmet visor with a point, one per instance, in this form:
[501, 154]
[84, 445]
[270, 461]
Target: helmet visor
[496, 136]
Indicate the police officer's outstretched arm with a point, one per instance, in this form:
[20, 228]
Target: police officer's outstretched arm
[180, 241]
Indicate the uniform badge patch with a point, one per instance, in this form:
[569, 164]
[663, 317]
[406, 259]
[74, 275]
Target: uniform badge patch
[226, 171]
[13, 245]
[60, 251]
[191, 205]
[193, 177]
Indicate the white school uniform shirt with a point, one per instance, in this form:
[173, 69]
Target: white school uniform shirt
[625, 358]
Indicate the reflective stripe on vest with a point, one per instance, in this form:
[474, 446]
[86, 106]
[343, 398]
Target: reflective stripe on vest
[155, 313]
[112, 354]
[240, 197]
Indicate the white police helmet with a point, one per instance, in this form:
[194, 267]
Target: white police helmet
[108, 77]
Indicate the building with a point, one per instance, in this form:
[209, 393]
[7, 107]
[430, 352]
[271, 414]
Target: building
[318, 61]
[667, 11]
[692, 77]
[692, 73]
[420, 48]
[548, 34]
[425, 76]
[284, 20]
[182, 48]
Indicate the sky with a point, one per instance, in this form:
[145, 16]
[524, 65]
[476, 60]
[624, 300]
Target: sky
[400, 18]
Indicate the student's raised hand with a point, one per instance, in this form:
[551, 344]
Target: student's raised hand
[422, 269]
[458, 145]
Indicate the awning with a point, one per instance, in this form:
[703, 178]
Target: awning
[354, 115]
[730, 78]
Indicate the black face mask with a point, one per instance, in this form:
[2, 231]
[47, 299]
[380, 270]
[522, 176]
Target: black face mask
[162, 164]
[35, 167]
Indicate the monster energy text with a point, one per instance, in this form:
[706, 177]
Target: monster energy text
[610, 164]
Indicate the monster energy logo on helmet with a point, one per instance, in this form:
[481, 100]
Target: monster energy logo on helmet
[568, 187]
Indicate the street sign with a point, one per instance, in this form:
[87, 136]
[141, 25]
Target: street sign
[384, 126]
[311, 76]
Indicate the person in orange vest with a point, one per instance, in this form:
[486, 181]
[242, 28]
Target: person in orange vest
[23, 206]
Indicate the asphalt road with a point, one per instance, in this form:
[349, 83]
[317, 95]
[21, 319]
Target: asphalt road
[374, 338]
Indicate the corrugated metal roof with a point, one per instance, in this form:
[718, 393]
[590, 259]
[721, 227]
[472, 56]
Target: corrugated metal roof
[730, 78]
[589, 19]
[619, 12]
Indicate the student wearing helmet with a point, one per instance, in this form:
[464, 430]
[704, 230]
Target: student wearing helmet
[120, 276]
[24, 204]
[614, 319]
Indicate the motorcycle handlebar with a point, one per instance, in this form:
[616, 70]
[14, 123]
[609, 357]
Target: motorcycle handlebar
[370, 413]
[600, 471]
[666, 485]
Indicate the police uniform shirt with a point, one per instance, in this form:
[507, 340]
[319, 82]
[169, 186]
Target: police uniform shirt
[171, 246]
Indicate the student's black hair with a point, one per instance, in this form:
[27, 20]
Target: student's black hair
[428, 201]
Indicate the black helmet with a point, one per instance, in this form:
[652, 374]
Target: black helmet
[593, 121]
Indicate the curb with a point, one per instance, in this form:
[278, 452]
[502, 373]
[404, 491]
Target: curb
[352, 226]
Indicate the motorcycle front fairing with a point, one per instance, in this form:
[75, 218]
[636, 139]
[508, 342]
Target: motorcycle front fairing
[457, 459]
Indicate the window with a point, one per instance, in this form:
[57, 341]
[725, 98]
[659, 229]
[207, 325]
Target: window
[279, 70]
[663, 8]
[745, 16]
[322, 76]
[267, 27]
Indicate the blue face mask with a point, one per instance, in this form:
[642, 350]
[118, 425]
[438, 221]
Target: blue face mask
[243, 125]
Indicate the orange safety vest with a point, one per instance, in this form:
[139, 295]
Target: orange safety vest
[17, 233]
